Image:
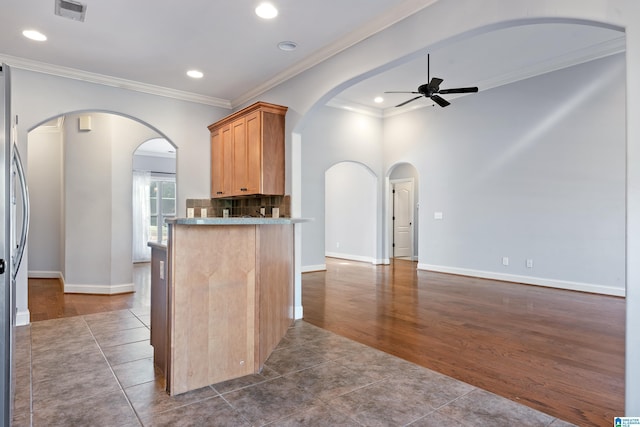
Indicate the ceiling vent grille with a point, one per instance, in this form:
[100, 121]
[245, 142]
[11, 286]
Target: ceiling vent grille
[71, 9]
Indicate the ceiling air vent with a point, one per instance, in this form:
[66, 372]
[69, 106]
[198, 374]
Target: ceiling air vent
[71, 9]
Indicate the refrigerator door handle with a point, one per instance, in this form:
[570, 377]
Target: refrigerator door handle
[24, 191]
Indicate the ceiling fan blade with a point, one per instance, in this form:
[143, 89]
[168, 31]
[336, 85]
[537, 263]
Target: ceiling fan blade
[410, 100]
[440, 100]
[434, 84]
[400, 92]
[459, 90]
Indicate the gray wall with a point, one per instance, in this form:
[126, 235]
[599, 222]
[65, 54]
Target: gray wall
[80, 184]
[154, 163]
[532, 170]
[351, 203]
[334, 136]
[38, 97]
[46, 195]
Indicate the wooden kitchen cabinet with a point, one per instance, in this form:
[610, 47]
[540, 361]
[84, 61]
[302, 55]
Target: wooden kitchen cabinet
[221, 153]
[229, 300]
[247, 152]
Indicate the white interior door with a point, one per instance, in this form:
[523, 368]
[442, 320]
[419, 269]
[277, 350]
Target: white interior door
[403, 219]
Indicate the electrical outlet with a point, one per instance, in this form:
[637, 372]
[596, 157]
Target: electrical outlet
[529, 263]
[505, 260]
[337, 244]
[161, 269]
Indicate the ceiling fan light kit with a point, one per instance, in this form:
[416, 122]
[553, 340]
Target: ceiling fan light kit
[432, 90]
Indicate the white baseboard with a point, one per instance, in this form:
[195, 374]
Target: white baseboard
[45, 274]
[23, 318]
[528, 280]
[351, 257]
[311, 268]
[70, 288]
[298, 312]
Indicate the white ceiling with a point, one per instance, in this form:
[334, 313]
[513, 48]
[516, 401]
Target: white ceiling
[150, 44]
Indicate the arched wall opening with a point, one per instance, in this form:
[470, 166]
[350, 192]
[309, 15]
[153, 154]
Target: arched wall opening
[80, 178]
[402, 202]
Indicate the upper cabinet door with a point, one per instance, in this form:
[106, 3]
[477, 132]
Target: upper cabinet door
[254, 164]
[239, 166]
[221, 159]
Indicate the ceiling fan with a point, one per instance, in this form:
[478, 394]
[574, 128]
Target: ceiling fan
[432, 89]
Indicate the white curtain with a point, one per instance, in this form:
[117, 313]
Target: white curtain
[141, 216]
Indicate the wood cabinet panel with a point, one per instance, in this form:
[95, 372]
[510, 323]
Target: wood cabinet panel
[159, 304]
[212, 305]
[221, 154]
[255, 162]
[254, 166]
[239, 161]
[230, 300]
[275, 301]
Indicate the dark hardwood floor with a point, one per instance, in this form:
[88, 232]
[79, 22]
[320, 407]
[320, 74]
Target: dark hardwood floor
[47, 300]
[561, 352]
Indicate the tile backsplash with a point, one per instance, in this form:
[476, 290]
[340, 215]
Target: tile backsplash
[249, 206]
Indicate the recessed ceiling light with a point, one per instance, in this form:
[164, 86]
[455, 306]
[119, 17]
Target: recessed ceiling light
[266, 11]
[378, 99]
[34, 35]
[287, 45]
[195, 74]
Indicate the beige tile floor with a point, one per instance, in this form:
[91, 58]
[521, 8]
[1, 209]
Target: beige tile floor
[97, 370]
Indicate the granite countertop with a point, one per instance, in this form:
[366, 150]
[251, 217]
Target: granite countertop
[234, 221]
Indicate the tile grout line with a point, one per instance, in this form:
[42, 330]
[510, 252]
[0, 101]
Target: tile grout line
[111, 368]
[30, 377]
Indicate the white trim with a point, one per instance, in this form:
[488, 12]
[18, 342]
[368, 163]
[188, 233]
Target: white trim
[528, 280]
[580, 56]
[98, 289]
[351, 257]
[23, 318]
[298, 312]
[45, 275]
[398, 13]
[101, 79]
[343, 104]
[311, 268]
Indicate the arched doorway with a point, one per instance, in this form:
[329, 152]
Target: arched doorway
[403, 201]
[80, 179]
[154, 194]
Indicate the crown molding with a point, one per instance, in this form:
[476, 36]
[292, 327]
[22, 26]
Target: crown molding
[343, 104]
[381, 23]
[72, 73]
[580, 56]
[577, 57]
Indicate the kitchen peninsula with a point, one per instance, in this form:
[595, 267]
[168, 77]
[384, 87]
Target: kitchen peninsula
[229, 297]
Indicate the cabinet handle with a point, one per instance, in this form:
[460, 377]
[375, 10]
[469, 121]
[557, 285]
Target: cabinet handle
[220, 192]
[243, 189]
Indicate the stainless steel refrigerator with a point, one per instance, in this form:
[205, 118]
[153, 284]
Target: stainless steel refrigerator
[14, 201]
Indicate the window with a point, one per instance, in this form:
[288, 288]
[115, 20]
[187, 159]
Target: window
[162, 198]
